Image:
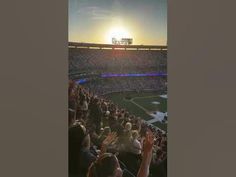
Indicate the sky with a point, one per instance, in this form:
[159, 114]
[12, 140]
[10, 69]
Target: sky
[97, 21]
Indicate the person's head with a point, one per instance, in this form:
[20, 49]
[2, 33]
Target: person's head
[128, 126]
[107, 113]
[78, 136]
[77, 139]
[107, 130]
[96, 100]
[135, 134]
[107, 165]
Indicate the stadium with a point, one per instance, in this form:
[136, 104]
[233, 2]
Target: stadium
[132, 76]
[121, 89]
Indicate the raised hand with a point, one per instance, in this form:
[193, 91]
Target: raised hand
[112, 137]
[147, 155]
[148, 142]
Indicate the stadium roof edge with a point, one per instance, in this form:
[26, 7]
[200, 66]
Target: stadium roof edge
[111, 46]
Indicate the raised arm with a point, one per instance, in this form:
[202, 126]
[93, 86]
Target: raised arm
[112, 137]
[147, 155]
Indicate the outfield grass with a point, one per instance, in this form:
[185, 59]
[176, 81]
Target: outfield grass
[141, 104]
[119, 99]
[146, 102]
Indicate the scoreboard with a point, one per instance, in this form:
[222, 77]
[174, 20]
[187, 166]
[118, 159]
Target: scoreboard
[122, 41]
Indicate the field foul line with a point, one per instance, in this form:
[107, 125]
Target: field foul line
[144, 97]
[139, 106]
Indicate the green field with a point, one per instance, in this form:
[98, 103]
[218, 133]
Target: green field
[141, 104]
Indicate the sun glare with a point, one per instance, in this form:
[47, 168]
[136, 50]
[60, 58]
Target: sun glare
[118, 33]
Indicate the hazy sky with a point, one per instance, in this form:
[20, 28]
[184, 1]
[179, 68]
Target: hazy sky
[97, 21]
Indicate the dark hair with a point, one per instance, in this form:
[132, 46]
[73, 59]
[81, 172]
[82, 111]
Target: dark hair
[104, 166]
[71, 115]
[76, 137]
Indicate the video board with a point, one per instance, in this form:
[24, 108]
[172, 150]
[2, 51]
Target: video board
[122, 41]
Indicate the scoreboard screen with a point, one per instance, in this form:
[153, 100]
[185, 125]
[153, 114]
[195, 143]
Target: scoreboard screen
[122, 41]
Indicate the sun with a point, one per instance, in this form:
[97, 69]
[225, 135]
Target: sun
[117, 32]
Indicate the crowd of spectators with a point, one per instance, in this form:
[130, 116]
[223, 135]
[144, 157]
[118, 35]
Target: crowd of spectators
[118, 61]
[108, 141]
[104, 86]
